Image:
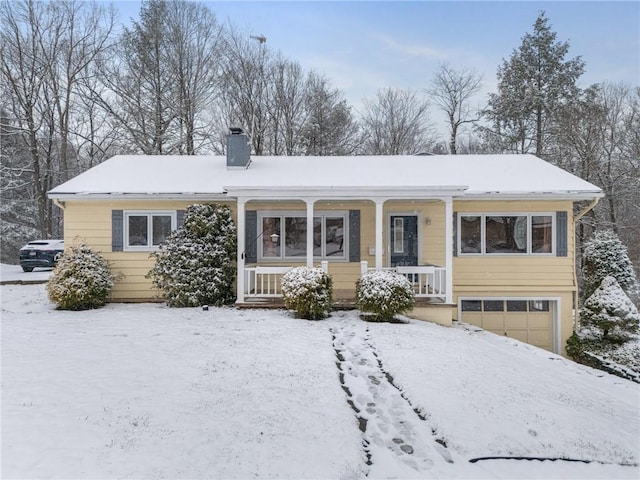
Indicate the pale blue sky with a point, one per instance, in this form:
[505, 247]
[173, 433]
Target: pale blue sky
[363, 46]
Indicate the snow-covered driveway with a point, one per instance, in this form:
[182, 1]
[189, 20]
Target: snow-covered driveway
[147, 391]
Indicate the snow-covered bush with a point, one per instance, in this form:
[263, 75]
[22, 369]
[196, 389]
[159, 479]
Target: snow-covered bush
[195, 266]
[605, 255]
[81, 279]
[610, 311]
[381, 295]
[307, 291]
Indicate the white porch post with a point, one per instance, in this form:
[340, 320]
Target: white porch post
[448, 249]
[241, 246]
[379, 240]
[310, 203]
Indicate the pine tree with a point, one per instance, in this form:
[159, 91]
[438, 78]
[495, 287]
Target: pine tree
[196, 264]
[533, 84]
[605, 255]
[610, 311]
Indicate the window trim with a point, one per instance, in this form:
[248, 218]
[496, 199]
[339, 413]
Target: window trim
[149, 214]
[283, 214]
[483, 234]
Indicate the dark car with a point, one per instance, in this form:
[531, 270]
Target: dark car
[41, 253]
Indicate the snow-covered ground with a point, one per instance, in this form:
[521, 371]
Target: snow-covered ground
[145, 391]
[14, 274]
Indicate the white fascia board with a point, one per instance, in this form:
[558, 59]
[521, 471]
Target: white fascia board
[568, 195]
[139, 196]
[347, 193]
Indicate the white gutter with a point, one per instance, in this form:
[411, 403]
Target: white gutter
[551, 196]
[587, 209]
[137, 196]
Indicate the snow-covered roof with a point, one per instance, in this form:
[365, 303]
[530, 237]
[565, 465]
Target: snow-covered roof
[468, 175]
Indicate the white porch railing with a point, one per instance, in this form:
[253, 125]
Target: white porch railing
[264, 282]
[427, 281]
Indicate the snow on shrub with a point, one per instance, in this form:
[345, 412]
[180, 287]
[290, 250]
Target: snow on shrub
[81, 279]
[307, 291]
[382, 294]
[196, 264]
[605, 255]
[610, 311]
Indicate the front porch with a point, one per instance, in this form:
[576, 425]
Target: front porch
[263, 282]
[347, 233]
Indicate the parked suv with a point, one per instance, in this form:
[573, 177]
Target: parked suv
[40, 253]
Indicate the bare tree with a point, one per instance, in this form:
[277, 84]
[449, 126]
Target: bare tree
[286, 106]
[46, 48]
[451, 90]
[243, 87]
[193, 47]
[141, 88]
[593, 137]
[397, 122]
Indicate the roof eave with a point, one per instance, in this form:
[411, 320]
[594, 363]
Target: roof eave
[136, 196]
[573, 195]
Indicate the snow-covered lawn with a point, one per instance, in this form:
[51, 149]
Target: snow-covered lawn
[145, 391]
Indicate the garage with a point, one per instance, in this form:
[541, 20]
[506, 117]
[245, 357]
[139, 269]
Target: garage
[529, 320]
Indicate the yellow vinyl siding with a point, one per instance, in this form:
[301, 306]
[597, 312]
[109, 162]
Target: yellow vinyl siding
[432, 235]
[90, 222]
[515, 270]
[344, 276]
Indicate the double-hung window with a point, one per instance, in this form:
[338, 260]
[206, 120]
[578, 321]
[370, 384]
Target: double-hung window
[283, 235]
[506, 234]
[147, 230]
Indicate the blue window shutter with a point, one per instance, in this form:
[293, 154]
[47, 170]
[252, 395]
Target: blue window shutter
[251, 234]
[455, 234]
[180, 218]
[354, 235]
[561, 234]
[117, 230]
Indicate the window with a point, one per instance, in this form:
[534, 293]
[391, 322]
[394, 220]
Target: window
[471, 305]
[516, 305]
[493, 305]
[145, 231]
[398, 235]
[506, 234]
[470, 234]
[539, 305]
[284, 235]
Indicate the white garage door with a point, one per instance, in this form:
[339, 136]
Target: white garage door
[530, 321]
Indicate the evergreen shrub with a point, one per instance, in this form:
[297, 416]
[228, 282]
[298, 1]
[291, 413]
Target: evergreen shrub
[610, 311]
[196, 264]
[307, 291]
[81, 280]
[605, 255]
[382, 294]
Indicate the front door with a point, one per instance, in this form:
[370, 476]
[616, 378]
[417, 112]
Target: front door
[404, 240]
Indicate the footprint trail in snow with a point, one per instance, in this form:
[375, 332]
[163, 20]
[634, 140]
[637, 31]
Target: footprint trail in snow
[393, 429]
